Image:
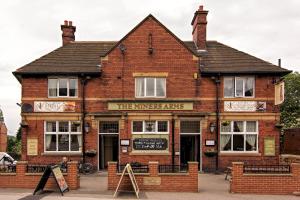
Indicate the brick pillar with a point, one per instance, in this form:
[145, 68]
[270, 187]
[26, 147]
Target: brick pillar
[153, 168]
[295, 170]
[193, 173]
[21, 170]
[112, 176]
[237, 173]
[24, 144]
[73, 178]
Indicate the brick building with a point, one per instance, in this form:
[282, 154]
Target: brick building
[3, 133]
[150, 97]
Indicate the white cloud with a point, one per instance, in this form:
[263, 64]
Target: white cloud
[268, 29]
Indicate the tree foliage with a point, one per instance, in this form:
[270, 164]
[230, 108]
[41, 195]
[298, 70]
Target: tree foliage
[290, 109]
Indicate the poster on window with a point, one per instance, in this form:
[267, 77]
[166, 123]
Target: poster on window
[279, 93]
[52, 106]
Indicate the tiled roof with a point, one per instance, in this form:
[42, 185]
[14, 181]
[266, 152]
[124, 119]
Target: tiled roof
[84, 57]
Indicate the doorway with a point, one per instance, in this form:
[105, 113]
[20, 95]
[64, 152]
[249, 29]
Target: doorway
[189, 149]
[109, 149]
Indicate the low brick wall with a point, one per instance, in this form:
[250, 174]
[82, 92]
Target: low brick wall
[22, 179]
[155, 181]
[265, 183]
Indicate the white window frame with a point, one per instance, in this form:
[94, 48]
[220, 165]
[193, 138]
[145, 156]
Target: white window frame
[234, 86]
[155, 89]
[240, 133]
[68, 87]
[156, 127]
[109, 121]
[61, 133]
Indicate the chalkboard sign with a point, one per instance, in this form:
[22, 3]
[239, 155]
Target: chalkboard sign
[150, 144]
[58, 176]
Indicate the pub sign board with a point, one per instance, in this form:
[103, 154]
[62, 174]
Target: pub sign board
[150, 144]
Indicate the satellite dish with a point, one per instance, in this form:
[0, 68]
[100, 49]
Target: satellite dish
[27, 108]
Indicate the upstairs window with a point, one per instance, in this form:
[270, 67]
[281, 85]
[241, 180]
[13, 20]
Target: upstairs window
[239, 86]
[150, 87]
[62, 87]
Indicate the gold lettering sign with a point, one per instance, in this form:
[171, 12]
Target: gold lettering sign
[151, 106]
[151, 180]
[32, 147]
[269, 146]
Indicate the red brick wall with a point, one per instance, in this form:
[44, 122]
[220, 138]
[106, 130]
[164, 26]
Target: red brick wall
[176, 182]
[22, 179]
[265, 183]
[291, 141]
[3, 137]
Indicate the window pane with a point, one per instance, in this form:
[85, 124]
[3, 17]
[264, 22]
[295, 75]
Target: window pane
[150, 87]
[225, 143]
[50, 142]
[238, 126]
[63, 142]
[162, 126]
[50, 126]
[239, 87]
[76, 142]
[225, 127]
[75, 127]
[63, 126]
[160, 87]
[137, 126]
[109, 127]
[52, 87]
[63, 87]
[149, 126]
[140, 87]
[238, 142]
[73, 85]
[229, 87]
[251, 142]
[190, 126]
[249, 85]
[251, 126]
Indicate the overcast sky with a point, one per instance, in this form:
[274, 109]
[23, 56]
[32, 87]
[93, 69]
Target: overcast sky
[269, 29]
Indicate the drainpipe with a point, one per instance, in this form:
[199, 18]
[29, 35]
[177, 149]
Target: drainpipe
[217, 82]
[83, 112]
[173, 142]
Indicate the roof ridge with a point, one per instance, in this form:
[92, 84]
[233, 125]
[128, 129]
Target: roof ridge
[95, 41]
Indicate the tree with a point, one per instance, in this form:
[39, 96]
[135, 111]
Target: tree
[290, 109]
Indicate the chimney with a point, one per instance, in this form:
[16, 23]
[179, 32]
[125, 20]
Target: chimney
[68, 32]
[199, 23]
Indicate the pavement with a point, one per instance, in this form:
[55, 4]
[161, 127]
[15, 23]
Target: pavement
[211, 187]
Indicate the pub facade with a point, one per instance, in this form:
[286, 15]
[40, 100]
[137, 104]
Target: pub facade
[151, 97]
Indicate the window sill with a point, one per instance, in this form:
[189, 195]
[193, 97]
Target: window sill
[61, 153]
[242, 154]
[151, 153]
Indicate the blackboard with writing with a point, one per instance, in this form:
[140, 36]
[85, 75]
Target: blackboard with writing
[150, 144]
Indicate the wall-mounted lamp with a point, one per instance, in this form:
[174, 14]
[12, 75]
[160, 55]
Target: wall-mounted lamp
[122, 48]
[212, 127]
[87, 127]
[24, 124]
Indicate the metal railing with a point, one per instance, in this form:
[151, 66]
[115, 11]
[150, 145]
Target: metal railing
[8, 169]
[135, 168]
[267, 169]
[173, 168]
[36, 168]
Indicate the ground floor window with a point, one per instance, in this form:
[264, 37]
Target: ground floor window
[239, 136]
[150, 126]
[63, 136]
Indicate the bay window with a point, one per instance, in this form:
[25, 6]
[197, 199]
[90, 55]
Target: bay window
[62, 87]
[239, 86]
[150, 126]
[150, 87]
[239, 136]
[63, 136]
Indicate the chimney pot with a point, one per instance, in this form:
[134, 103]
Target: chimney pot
[68, 32]
[201, 8]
